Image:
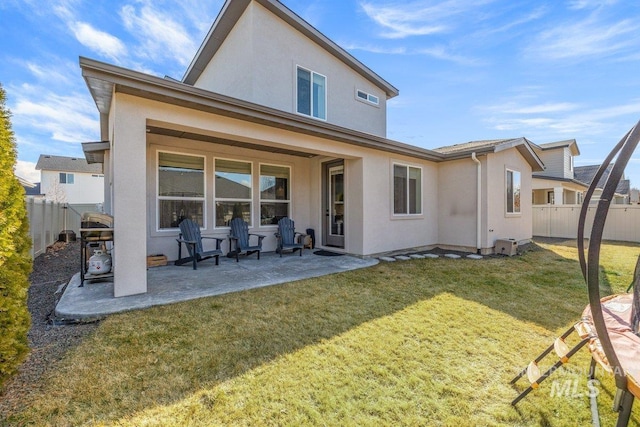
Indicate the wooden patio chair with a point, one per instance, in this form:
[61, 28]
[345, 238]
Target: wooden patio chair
[288, 238]
[239, 239]
[190, 236]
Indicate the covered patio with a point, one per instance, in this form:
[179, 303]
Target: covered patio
[170, 284]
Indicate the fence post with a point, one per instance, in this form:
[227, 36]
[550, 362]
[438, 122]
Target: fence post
[30, 207]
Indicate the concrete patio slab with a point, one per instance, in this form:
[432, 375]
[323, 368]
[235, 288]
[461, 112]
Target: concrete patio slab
[170, 284]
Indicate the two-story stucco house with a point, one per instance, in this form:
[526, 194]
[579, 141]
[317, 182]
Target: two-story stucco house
[557, 185]
[70, 180]
[273, 119]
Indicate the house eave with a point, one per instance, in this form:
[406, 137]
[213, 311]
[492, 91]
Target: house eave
[555, 178]
[99, 75]
[94, 151]
[233, 10]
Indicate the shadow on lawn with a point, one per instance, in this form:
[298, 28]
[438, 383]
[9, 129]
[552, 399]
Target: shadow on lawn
[223, 337]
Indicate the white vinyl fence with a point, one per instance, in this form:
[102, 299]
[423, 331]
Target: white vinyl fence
[623, 222]
[48, 219]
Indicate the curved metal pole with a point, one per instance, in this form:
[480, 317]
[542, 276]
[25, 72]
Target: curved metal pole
[593, 263]
[587, 200]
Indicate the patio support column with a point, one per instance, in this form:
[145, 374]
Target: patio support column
[558, 193]
[128, 157]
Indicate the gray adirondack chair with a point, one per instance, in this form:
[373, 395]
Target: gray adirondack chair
[239, 239]
[288, 238]
[191, 238]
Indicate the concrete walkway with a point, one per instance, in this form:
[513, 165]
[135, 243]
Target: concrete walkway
[170, 284]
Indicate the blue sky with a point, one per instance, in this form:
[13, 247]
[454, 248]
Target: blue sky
[466, 70]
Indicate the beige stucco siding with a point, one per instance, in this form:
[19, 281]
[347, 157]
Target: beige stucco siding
[457, 207]
[372, 227]
[257, 63]
[128, 156]
[163, 241]
[501, 224]
[383, 230]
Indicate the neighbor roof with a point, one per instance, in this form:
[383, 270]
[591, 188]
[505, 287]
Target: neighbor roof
[523, 145]
[587, 173]
[571, 143]
[231, 13]
[66, 164]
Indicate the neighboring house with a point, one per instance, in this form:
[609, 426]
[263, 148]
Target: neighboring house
[557, 185]
[70, 180]
[30, 188]
[273, 119]
[586, 174]
[634, 196]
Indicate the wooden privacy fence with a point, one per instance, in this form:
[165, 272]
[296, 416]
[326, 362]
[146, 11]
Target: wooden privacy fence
[623, 222]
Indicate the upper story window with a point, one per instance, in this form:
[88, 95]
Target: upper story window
[364, 96]
[181, 189]
[513, 191]
[311, 94]
[407, 190]
[66, 178]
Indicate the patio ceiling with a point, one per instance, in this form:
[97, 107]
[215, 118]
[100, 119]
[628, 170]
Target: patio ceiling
[208, 138]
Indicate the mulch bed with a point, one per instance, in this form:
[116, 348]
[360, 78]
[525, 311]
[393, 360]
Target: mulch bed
[48, 342]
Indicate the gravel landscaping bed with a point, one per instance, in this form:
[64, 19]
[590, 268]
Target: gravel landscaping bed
[48, 342]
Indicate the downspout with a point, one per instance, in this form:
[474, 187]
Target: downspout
[478, 202]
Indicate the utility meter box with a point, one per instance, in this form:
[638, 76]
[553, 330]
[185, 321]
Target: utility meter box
[507, 247]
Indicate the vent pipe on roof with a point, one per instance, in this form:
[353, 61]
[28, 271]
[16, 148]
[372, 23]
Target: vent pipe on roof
[478, 202]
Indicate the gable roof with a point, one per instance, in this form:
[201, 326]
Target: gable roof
[587, 173]
[66, 164]
[570, 143]
[103, 80]
[25, 182]
[231, 12]
[523, 145]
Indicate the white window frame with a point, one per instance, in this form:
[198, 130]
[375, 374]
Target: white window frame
[326, 85]
[368, 98]
[409, 196]
[159, 198]
[513, 211]
[66, 178]
[224, 199]
[289, 201]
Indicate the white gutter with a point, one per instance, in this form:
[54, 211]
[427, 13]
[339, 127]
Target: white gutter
[478, 202]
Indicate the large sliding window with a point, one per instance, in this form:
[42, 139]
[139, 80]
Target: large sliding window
[181, 189]
[232, 191]
[311, 93]
[513, 191]
[407, 190]
[275, 196]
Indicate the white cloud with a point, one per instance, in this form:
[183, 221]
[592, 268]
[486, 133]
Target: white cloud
[590, 4]
[27, 170]
[159, 34]
[66, 118]
[541, 108]
[103, 43]
[420, 18]
[588, 38]
[556, 120]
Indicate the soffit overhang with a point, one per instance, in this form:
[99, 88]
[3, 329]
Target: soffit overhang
[103, 80]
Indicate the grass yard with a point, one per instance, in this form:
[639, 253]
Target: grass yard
[421, 342]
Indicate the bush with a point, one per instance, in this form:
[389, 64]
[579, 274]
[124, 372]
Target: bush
[15, 260]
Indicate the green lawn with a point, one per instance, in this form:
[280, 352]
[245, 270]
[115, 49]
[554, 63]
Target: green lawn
[421, 342]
